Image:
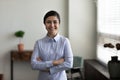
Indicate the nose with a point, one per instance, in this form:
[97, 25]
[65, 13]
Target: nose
[52, 24]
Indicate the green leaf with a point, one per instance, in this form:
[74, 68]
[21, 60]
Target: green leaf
[19, 33]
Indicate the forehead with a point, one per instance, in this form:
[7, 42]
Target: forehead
[52, 18]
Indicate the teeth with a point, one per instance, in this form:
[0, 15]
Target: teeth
[52, 29]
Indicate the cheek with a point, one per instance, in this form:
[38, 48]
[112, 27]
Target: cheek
[57, 26]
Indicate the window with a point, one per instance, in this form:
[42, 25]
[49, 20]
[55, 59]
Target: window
[108, 28]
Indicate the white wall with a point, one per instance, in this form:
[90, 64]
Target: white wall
[28, 14]
[25, 15]
[82, 27]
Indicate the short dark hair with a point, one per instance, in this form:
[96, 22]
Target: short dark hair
[51, 13]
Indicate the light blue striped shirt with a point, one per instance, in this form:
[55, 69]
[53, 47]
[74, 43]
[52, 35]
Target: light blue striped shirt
[49, 49]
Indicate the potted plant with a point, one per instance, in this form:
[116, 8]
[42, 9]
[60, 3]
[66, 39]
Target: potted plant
[20, 35]
[114, 63]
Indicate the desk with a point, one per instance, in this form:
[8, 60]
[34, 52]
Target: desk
[19, 56]
[94, 70]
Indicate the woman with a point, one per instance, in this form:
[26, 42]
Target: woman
[52, 55]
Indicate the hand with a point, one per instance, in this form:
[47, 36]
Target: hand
[46, 70]
[57, 62]
[38, 59]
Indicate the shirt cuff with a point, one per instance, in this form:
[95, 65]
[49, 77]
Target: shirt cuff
[49, 64]
[54, 70]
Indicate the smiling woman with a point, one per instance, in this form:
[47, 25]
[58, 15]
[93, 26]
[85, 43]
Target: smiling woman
[52, 55]
[52, 23]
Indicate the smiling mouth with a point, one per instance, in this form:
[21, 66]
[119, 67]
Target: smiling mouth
[52, 29]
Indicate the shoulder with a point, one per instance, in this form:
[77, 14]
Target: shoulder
[40, 40]
[64, 39]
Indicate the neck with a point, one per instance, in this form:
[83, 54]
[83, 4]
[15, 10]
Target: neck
[51, 35]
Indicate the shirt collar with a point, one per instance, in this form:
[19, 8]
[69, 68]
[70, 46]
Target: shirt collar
[56, 38]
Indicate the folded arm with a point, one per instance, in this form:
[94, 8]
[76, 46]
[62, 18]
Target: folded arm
[68, 60]
[53, 66]
[39, 64]
[55, 63]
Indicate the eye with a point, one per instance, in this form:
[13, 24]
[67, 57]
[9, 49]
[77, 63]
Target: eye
[55, 22]
[52, 22]
[48, 22]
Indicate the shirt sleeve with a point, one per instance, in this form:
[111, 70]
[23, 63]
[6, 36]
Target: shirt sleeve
[39, 65]
[68, 63]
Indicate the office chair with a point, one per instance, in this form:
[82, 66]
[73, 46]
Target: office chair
[77, 64]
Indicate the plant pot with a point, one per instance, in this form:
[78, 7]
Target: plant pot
[114, 67]
[20, 47]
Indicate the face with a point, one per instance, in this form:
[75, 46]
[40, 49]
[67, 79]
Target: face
[52, 25]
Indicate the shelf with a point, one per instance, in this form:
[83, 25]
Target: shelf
[19, 56]
[94, 70]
